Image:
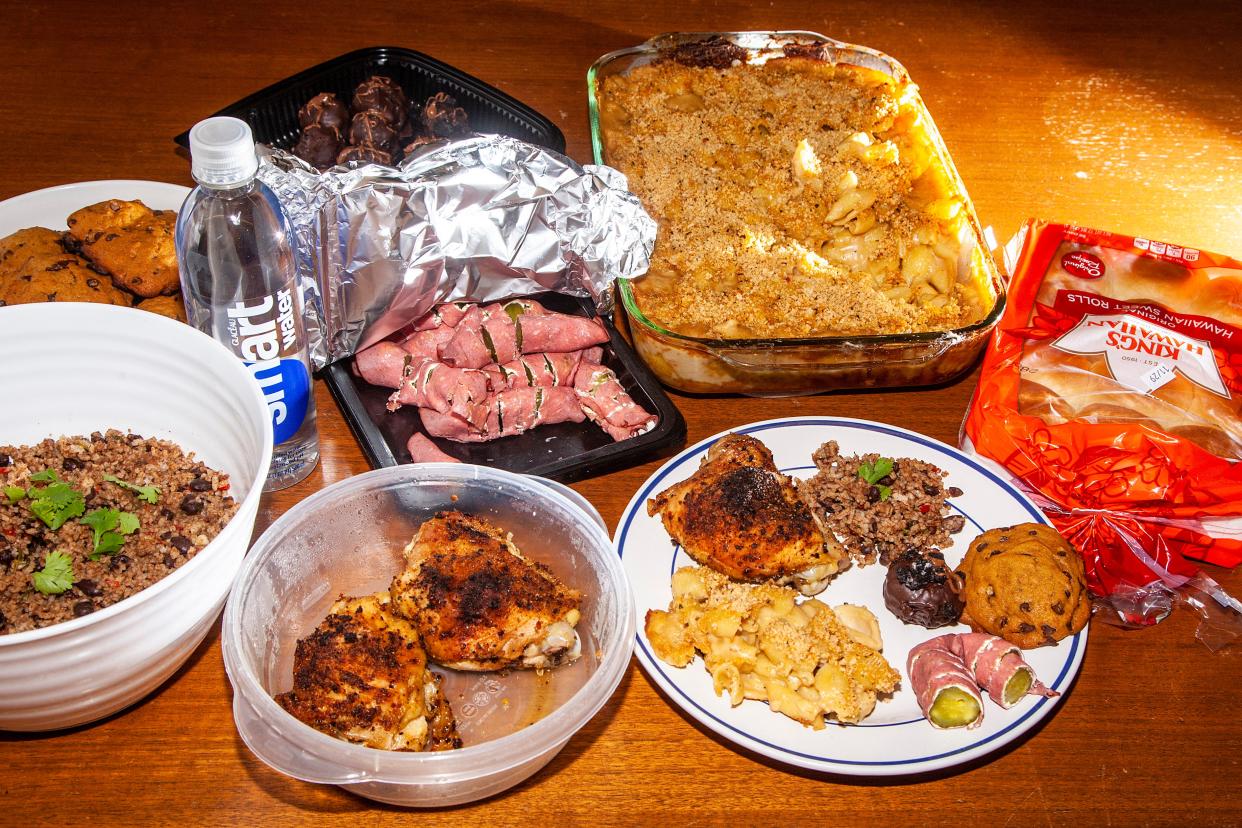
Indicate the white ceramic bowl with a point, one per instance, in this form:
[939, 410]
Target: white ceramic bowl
[347, 539]
[73, 369]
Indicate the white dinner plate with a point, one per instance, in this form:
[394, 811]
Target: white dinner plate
[51, 206]
[894, 739]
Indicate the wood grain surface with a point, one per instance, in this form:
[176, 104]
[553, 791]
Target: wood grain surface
[1125, 116]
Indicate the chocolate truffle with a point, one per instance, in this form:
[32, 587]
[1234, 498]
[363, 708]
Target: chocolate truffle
[381, 95]
[364, 154]
[920, 589]
[409, 128]
[371, 127]
[318, 146]
[443, 117]
[325, 111]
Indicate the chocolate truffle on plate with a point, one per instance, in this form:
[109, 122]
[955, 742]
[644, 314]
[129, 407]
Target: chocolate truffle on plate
[382, 95]
[317, 146]
[364, 154]
[444, 118]
[371, 127]
[919, 588]
[326, 111]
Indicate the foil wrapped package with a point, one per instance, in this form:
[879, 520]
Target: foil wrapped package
[479, 219]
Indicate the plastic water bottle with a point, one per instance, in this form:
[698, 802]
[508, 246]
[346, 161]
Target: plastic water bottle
[235, 252]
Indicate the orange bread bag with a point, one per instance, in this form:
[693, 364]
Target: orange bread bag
[1112, 391]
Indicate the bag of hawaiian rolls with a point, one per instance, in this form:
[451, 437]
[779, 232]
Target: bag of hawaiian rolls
[1112, 391]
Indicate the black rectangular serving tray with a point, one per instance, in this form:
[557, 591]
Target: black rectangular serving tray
[273, 112]
[562, 451]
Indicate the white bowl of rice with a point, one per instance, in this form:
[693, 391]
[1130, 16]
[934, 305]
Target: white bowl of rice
[74, 370]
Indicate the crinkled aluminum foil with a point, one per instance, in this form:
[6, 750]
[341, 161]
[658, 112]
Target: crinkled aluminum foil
[480, 219]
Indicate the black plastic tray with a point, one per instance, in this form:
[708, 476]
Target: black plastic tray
[563, 451]
[273, 112]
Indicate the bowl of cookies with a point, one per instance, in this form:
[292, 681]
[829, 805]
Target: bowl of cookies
[104, 242]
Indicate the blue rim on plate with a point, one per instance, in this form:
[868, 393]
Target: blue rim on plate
[667, 677]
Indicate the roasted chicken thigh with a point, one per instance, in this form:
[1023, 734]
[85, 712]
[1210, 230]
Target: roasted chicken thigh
[362, 676]
[479, 604]
[740, 516]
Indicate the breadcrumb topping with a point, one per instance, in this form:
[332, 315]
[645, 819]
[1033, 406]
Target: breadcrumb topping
[794, 198]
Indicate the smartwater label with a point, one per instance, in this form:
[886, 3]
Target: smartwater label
[266, 335]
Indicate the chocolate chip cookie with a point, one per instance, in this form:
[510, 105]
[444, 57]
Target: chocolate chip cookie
[132, 242]
[59, 277]
[1026, 584]
[170, 306]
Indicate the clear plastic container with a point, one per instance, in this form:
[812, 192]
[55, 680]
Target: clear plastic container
[347, 539]
[800, 365]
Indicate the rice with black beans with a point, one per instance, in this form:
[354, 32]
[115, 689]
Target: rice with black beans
[913, 516]
[193, 506]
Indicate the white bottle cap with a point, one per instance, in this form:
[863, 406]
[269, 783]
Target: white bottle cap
[222, 152]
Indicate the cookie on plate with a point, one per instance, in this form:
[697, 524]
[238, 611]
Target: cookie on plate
[16, 249]
[132, 242]
[170, 306]
[1026, 584]
[62, 277]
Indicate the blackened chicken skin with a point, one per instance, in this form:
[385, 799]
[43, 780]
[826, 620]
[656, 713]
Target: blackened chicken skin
[362, 676]
[740, 516]
[479, 604]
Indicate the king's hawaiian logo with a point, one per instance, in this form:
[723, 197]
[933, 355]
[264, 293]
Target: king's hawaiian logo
[1142, 354]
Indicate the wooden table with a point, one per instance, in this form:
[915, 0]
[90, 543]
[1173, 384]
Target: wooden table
[1126, 117]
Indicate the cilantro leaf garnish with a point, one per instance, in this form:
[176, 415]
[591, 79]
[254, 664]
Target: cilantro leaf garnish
[873, 473]
[56, 503]
[45, 476]
[14, 493]
[56, 576]
[127, 523]
[109, 543]
[150, 494]
[110, 527]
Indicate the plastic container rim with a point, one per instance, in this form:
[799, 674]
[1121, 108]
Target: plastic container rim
[516, 748]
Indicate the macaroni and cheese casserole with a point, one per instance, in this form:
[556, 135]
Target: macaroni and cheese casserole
[794, 197]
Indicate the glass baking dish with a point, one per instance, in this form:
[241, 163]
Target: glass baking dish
[786, 366]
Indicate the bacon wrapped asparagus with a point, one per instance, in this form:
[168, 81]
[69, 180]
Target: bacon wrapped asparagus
[999, 669]
[509, 412]
[944, 686]
[502, 333]
[947, 672]
[608, 405]
[464, 365]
